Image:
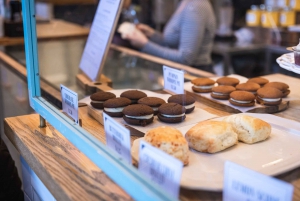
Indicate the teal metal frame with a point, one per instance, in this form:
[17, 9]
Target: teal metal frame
[126, 176]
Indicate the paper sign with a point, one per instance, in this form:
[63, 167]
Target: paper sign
[69, 102]
[173, 80]
[99, 37]
[160, 167]
[117, 137]
[243, 184]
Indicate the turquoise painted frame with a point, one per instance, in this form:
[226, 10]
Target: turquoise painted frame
[126, 176]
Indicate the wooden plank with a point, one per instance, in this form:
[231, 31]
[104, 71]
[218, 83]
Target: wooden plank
[65, 171]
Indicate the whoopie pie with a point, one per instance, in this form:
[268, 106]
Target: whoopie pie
[222, 92]
[133, 95]
[202, 85]
[249, 86]
[171, 113]
[138, 114]
[185, 100]
[242, 98]
[97, 99]
[153, 102]
[259, 80]
[269, 96]
[230, 81]
[114, 107]
[284, 88]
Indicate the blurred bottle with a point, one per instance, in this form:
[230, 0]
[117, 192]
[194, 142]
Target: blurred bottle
[270, 17]
[225, 19]
[253, 16]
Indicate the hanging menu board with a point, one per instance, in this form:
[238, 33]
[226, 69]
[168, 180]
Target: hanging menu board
[100, 36]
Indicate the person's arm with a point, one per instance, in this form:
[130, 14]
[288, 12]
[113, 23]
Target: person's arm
[191, 36]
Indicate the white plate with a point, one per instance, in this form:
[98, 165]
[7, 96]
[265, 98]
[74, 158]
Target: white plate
[279, 153]
[287, 62]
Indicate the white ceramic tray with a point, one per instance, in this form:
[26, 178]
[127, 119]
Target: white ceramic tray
[279, 153]
[287, 62]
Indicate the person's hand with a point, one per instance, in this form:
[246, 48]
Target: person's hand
[137, 39]
[145, 29]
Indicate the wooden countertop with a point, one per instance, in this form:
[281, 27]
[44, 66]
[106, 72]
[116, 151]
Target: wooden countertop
[55, 29]
[63, 168]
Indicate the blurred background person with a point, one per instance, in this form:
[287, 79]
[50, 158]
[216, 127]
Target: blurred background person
[187, 37]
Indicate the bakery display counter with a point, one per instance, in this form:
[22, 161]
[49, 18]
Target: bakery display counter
[63, 168]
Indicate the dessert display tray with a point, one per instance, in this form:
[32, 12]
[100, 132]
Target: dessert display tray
[278, 154]
[196, 116]
[287, 62]
[225, 104]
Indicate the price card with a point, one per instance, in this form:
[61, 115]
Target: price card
[117, 137]
[243, 184]
[173, 80]
[69, 102]
[160, 167]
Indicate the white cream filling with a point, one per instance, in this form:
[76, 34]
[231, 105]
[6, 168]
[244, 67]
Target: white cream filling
[140, 117]
[204, 87]
[155, 108]
[118, 109]
[189, 106]
[237, 101]
[218, 94]
[171, 116]
[270, 99]
[97, 101]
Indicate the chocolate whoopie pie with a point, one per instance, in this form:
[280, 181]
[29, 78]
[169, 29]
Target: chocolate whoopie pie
[284, 88]
[269, 96]
[259, 80]
[138, 114]
[249, 86]
[133, 95]
[97, 99]
[185, 100]
[242, 98]
[114, 107]
[171, 113]
[222, 92]
[230, 81]
[202, 85]
[153, 102]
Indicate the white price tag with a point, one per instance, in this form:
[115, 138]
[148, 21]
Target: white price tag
[69, 102]
[251, 18]
[117, 137]
[282, 18]
[173, 80]
[160, 167]
[243, 184]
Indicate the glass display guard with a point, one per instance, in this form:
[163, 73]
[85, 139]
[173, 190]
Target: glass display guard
[126, 176]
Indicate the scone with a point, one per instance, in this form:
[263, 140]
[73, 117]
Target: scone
[169, 140]
[249, 129]
[211, 136]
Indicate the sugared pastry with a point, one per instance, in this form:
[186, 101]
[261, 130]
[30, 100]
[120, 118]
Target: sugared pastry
[171, 113]
[185, 100]
[138, 114]
[249, 129]
[222, 92]
[284, 88]
[133, 95]
[269, 96]
[169, 140]
[249, 86]
[259, 80]
[211, 136]
[230, 81]
[242, 98]
[153, 102]
[97, 99]
[114, 107]
[202, 85]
